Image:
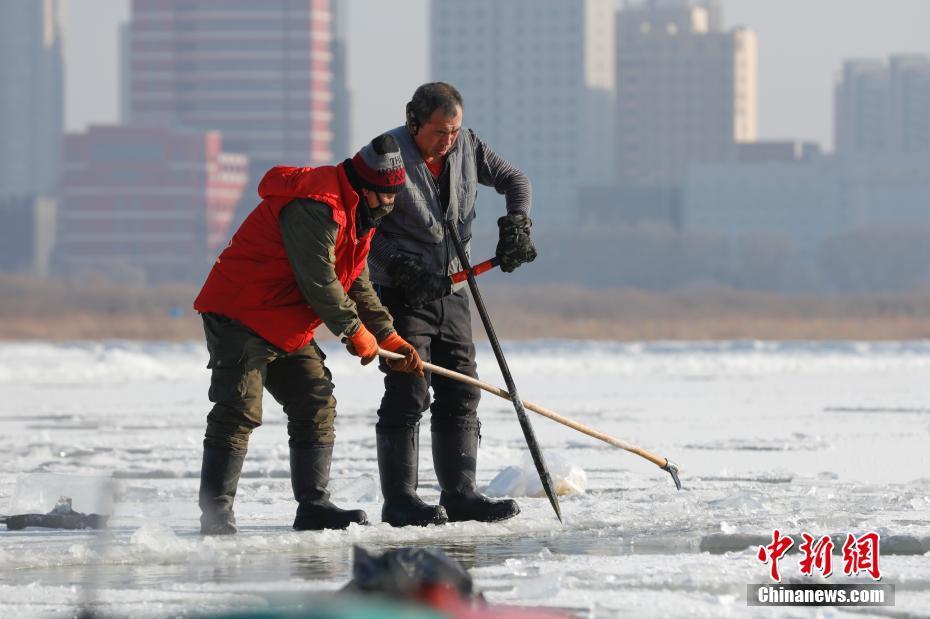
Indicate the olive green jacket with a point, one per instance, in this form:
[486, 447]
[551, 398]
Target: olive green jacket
[309, 234]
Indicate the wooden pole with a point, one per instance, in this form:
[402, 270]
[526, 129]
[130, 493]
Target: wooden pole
[662, 463]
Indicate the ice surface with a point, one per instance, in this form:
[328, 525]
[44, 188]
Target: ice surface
[827, 439]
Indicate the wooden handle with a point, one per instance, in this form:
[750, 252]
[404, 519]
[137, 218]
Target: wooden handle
[545, 412]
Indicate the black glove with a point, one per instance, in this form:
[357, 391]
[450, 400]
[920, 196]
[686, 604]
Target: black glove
[417, 284]
[514, 246]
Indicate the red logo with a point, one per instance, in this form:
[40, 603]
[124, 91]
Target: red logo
[817, 556]
[860, 554]
[773, 552]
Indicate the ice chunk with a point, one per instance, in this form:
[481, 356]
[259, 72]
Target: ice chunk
[744, 502]
[719, 543]
[160, 541]
[509, 482]
[727, 528]
[544, 586]
[38, 493]
[567, 478]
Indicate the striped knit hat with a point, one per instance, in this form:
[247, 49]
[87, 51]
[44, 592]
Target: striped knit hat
[378, 166]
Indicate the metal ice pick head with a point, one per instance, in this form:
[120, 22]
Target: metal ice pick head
[672, 469]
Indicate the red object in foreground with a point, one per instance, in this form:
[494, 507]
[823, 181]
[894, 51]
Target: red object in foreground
[449, 602]
[478, 269]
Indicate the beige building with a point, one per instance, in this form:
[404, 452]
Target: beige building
[686, 90]
[537, 77]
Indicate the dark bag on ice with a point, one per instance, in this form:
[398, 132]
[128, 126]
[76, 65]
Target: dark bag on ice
[62, 516]
[407, 573]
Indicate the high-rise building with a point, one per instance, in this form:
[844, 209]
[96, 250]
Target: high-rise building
[259, 72]
[910, 103]
[861, 105]
[882, 107]
[27, 236]
[342, 96]
[125, 114]
[146, 204]
[537, 77]
[686, 89]
[31, 99]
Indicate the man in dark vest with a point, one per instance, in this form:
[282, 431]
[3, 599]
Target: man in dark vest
[411, 258]
[297, 261]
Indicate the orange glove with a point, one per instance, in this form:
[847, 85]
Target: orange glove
[363, 344]
[411, 363]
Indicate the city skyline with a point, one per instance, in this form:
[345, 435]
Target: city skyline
[795, 56]
[531, 73]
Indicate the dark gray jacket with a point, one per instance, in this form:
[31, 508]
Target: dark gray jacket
[416, 226]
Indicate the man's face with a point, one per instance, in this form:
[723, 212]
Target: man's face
[436, 137]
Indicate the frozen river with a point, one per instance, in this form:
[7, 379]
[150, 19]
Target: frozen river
[822, 438]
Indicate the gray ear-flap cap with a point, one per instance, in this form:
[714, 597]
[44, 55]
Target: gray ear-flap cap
[378, 166]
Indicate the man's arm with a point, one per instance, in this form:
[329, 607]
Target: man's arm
[382, 252]
[373, 315]
[514, 246]
[309, 234]
[495, 171]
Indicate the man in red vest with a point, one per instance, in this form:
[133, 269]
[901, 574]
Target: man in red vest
[299, 260]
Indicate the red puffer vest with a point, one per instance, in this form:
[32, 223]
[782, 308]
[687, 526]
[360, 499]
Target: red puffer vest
[252, 280]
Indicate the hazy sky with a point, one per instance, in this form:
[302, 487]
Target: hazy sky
[802, 44]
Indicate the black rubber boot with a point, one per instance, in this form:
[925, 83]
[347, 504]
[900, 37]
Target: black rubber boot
[309, 479]
[455, 457]
[397, 462]
[219, 477]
